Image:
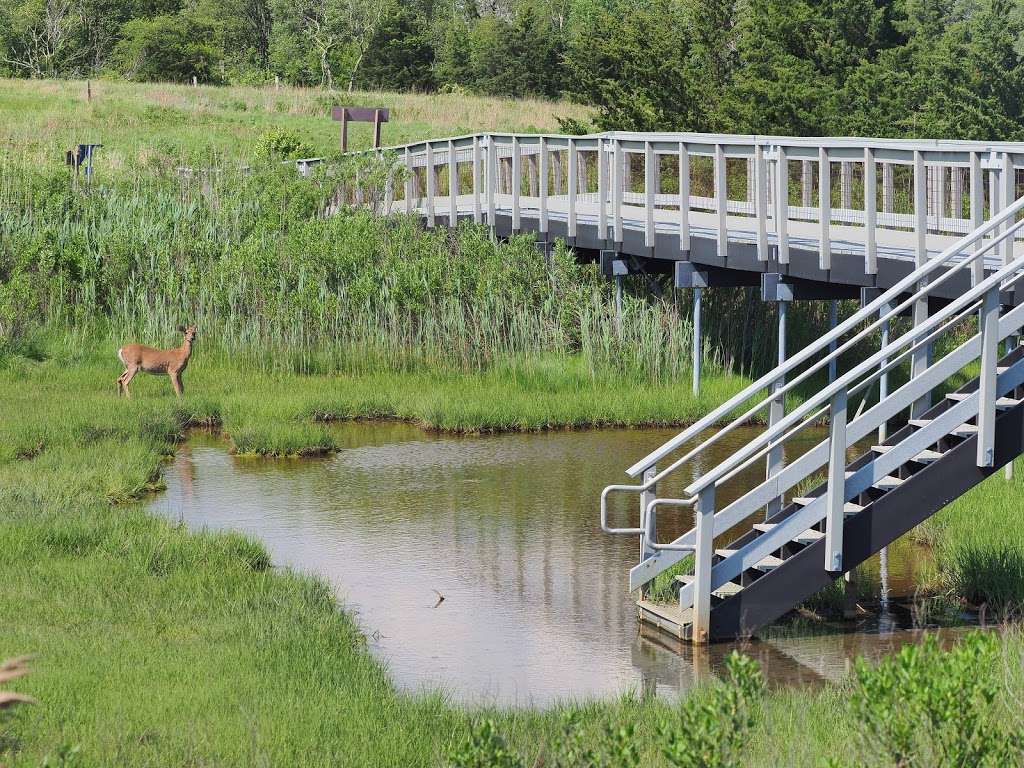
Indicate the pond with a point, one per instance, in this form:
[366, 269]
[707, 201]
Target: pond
[505, 527]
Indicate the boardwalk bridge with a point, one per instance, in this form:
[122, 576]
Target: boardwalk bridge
[926, 229]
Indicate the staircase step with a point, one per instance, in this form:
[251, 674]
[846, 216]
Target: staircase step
[807, 537]
[1002, 403]
[849, 508]
[887, 483]
[764, 564]
[924, 457]
[964, 430]
[725, 591]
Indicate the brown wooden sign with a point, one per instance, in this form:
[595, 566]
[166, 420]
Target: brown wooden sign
[345, 115]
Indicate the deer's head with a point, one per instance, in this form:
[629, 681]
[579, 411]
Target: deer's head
[189, 331]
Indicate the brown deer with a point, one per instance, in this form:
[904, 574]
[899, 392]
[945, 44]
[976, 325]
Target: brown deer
[137, 357]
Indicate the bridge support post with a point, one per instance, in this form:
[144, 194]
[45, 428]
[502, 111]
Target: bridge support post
[688, 277]
[705, 542]
[697, 352]
[773, 289]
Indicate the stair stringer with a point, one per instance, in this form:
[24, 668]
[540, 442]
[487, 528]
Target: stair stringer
[865, 533]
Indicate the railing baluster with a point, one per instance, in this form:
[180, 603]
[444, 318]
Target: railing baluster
[705, 542]
[684, 200]
[517, 182]
[650, 169]
[825, 209]
[977, 186]
[492, 178]
[431, 183]
[1009, 194]
[618, 188]
[919, 359]
[572, 182]
[836, 484]
[408, 180]
[478, 215]
[782, 205]
[603, 191]
[870, 213]
[722, 202]
[453, 187]
[542, 184]
[761, 201]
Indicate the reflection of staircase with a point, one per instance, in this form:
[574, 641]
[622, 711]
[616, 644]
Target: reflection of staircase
[801, 546]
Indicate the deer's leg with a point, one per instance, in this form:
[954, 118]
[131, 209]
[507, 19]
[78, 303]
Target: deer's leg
[176, 382]
[120, 382]
[126, 379]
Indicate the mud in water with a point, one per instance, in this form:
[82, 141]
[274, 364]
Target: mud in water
[505, 527]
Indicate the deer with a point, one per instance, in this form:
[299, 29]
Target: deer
[137, 357]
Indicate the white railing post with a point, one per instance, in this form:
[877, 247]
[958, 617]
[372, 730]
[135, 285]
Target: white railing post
[646, 497]
[888, 188]
[517, 182]
[453, 187]
[806, 182]
[977, 192]
[722, 202]
[782, 205]
[431, 183]
[1009, 194]
[684, 199]
[603, 190]
[883, 379]
[572, 184]
[492, 179]
[761, 201]
[836, 494]
[987, 378]
[845, 185]
[478, 214]
[825, 209]
[870, 213]
[919, 359]
[618, 188]
[705, 542]
[650, 188]
[542, 185]
[408, 180]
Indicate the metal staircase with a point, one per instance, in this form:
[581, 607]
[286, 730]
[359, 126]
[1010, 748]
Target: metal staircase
[793, 546]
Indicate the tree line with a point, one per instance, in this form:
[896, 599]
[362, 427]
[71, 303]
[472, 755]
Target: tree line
[902, 68]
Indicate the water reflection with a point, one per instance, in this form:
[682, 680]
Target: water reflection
[505, 527]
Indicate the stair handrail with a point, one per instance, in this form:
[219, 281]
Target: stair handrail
[907, 283]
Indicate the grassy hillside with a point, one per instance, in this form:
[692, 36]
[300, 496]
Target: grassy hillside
[39, 119]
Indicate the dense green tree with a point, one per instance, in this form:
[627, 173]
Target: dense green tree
[170, 47]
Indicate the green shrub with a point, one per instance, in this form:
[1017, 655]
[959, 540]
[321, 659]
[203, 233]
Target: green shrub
[484, 747]
[711, 729]
[281, 144]
[927, 706]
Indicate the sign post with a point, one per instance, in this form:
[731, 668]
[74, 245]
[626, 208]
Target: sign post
[345, 115]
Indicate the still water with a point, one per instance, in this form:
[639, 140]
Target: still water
[505, 527]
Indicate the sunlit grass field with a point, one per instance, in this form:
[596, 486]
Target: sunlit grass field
[208, 125]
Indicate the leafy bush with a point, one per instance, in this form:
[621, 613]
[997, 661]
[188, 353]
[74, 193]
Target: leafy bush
[484, 747]
[281, 144]
[711, 730]
[926, 706]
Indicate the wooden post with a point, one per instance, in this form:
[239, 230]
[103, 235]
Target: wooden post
[376, 129]
[805, 183]
[870, 213]
[825, 209]
[782, 205]
[344, 130]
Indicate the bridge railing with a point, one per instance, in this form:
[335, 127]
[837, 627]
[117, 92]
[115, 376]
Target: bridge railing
[766, 189]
